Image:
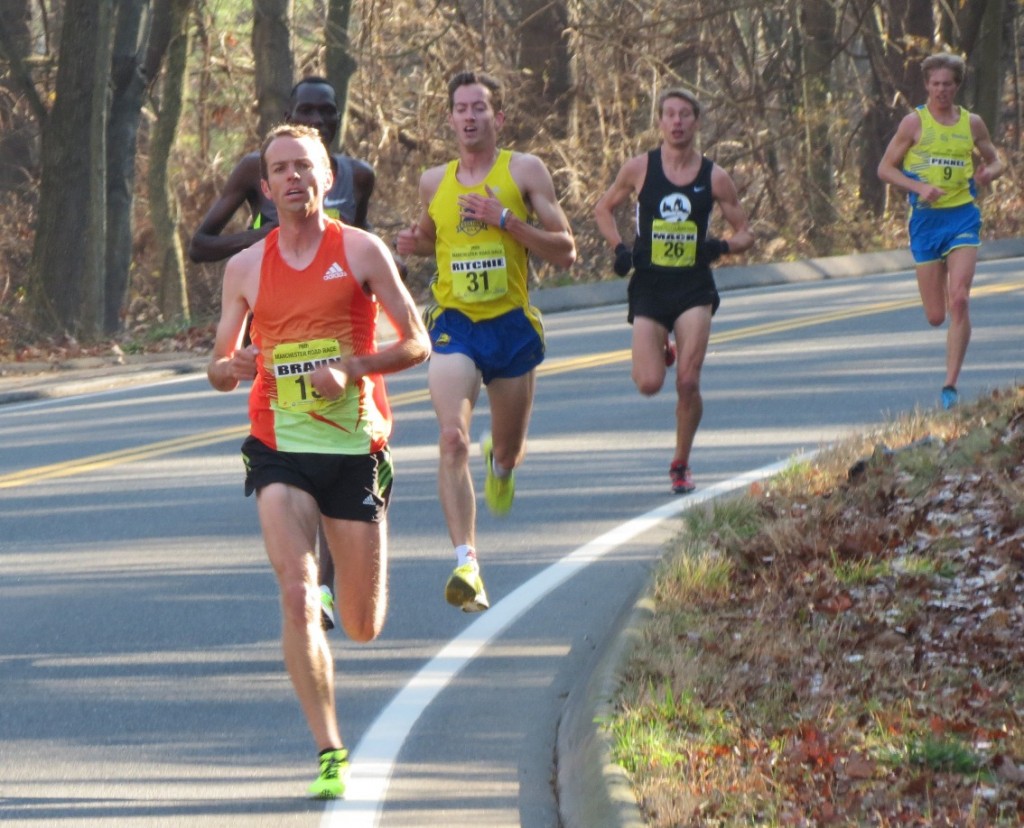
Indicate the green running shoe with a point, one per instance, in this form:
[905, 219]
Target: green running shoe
[465, 589]
[326, 607]
[498, 491]
[330, 784]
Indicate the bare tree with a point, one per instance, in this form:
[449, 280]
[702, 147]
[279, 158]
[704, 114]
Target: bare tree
[274, 59]
[16, 85]
[128, 87]
[68, 256]
[339, 62]
[171, 26]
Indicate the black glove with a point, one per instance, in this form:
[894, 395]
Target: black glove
[623, 259]
[714, 248]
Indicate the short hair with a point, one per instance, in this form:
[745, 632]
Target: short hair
[312, 79]
[944, 60]
[468, 79]
[682, 94]
[292, 131]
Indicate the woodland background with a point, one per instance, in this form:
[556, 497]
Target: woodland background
[120, 119]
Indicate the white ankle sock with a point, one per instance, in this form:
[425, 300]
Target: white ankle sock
[465, 554]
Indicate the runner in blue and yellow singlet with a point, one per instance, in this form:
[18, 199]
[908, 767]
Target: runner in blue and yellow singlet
[482, 215]
[672, 290]
[932, 158]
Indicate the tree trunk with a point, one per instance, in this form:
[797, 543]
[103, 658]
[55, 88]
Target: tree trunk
[896, 83]
[819, 47]
[987, 60]
[274, 61]
[173, 293]
[339, 63]
[545, 60]
[131, 35]
[16, 129]
[67, 268]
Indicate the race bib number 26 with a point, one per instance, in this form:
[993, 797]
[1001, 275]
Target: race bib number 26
[673, 243]
[293, 363]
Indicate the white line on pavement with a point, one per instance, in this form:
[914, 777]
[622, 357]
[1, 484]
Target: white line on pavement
[373, 759]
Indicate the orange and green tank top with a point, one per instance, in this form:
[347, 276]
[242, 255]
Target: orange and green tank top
[302, 319]
[943, 157]
[481, 270]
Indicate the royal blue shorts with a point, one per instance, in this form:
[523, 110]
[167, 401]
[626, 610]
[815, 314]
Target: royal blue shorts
[507, 346]
[935, 232]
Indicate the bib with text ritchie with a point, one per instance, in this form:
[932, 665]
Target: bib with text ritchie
[479, 272]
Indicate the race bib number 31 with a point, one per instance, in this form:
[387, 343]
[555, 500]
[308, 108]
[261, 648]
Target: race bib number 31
[293, 363]
[673, 243]
[479, 272]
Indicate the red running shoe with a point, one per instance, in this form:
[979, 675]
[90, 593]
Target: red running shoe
[682, 478]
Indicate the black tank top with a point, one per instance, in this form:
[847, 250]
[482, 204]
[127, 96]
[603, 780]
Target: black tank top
[672, 221]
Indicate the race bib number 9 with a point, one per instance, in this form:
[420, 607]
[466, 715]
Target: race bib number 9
[673, 243]
[293, 363]
[479, 272]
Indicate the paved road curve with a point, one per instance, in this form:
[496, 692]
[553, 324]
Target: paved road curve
[139, 663]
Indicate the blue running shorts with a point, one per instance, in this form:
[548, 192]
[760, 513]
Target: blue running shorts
[937, 232]
[507, 346]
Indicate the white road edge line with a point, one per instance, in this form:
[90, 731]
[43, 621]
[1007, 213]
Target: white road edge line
[373, 759]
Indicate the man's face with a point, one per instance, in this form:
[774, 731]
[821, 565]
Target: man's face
[473, 118]
[941, 86]
[314, 105]
[677, 123]
[298, 174]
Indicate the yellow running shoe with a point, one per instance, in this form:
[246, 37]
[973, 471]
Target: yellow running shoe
[330, 784]
[498, 491]
[465, 589]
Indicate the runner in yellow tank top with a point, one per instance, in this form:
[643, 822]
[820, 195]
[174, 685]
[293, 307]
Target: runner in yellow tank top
[482, 214]
[931, 158]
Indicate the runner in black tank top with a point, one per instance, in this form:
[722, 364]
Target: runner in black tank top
[672, 291]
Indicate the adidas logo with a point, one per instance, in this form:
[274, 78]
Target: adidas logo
[335, 271]
[369, 501]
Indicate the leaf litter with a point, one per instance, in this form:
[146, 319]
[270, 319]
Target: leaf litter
[863, 662]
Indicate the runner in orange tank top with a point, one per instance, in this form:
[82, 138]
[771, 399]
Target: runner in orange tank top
[317, 451]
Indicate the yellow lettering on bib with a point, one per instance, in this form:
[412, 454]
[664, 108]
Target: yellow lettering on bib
[479, 272]
[673, 243]
[293, 363]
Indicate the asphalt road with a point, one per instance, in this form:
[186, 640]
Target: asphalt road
[140, 671]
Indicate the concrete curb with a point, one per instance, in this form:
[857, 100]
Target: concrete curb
[572, 297]
[593, 791]
[27, 382]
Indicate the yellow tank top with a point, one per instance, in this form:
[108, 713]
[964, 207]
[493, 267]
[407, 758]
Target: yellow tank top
[481, 270]
[943, 157]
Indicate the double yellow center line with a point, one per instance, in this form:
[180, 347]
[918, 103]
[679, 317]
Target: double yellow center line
[95, 462]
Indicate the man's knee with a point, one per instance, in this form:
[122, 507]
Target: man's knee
[454, 443]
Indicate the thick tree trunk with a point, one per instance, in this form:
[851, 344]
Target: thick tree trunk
[68, 257]
[545, 60]
[274, 60]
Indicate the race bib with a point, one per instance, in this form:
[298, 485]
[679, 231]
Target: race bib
[293, 363]
[673, 243]
[479, 272]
